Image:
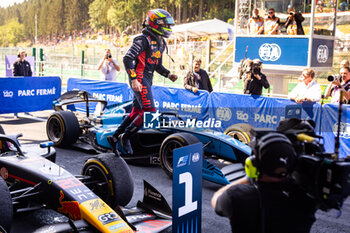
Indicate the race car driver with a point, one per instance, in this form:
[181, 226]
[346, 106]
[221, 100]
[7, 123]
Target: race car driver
[142, 59]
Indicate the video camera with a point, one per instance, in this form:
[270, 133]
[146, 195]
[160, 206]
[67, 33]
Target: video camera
[256, 68]
[321, 175]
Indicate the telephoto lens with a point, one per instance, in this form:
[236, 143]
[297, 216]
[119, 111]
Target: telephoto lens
[331, 78]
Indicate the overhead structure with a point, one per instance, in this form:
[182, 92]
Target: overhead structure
[202, 29]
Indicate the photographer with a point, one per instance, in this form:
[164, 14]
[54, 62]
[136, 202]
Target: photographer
[108, 67]
[255, 80]
[307, 90]
[273, 203]
[337, 84]
[293, 23]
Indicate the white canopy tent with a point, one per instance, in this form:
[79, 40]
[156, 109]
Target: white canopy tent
[201, 29]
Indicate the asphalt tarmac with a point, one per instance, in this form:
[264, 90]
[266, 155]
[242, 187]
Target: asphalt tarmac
[33, 129]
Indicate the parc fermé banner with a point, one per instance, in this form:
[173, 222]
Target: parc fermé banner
[28, 94]
[10, 59]
[181, 101]
[112, 92]
[257, 111]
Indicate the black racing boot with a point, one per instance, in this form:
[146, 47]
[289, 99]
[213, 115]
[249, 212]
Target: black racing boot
[125, 138]
[112, 140]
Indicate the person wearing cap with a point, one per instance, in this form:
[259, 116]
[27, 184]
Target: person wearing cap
[308, 89]
[197, 79]
[108, 67]
[255, 80]
[21, 67]
[272, 203]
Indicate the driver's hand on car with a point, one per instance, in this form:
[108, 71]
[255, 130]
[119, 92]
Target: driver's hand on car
[173, 77]
[194, 89]
[136, 85]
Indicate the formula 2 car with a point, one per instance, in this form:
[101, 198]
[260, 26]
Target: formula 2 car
[150, 146]
[30, 178]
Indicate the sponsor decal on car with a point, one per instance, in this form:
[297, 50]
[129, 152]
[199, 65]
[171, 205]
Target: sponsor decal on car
[69, 207]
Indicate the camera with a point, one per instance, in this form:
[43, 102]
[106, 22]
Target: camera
[291, 13]
[108, 56]
[331, 78]
[322, 176]
[256, 69]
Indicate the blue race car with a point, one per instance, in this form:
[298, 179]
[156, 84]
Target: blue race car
[151, 146]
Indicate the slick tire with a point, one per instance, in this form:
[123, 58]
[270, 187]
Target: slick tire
[62, 128]
[110, 179]
[6, 210]
[170, 143]
[240, 132]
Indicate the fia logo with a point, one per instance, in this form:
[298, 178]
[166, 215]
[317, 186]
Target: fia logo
[151, 120]
[195, 157]
[8, 94]
[223, 114]
[270, 52]
[344, 130]
[322, 53]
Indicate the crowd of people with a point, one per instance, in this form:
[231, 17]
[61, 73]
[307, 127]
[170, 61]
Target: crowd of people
[270, 25]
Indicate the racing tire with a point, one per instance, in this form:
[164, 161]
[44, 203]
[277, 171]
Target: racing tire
[113, 182]
[170, 143]
[6, 210]
[62, 128]
[240, 132]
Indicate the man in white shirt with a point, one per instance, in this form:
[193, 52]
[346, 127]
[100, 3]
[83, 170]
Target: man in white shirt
[108, 67]
[307, 89]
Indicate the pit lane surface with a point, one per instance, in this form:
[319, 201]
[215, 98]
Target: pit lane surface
[33, 130]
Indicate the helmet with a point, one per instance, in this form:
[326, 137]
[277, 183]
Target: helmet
[159, 21]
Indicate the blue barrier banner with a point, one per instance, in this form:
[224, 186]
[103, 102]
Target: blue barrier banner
[184, 102]
[187, 189]
[330, 127]
[274, 50]
[112, 92]
[322, 53]
[257, 111]
[28, 94]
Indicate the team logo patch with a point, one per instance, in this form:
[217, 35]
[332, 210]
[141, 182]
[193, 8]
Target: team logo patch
[156, 54]
[132, 73]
